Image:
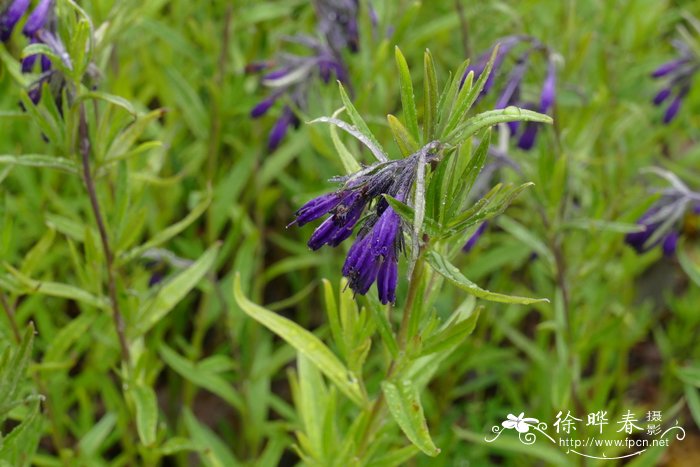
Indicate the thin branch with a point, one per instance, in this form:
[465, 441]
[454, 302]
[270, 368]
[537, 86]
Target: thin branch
[84, 147]
[10, 312]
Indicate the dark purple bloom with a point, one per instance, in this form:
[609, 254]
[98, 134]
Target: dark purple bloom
[510, 93]
[293, 78]
[262, 108]
[669, 67]
[662, 222]
[670, 243]
[678, 75]
[37, 18]
[10, 17]
[279, 130]
[374, 255]
[661, 96]
[338, 23]
[475, 237]
[674, 107]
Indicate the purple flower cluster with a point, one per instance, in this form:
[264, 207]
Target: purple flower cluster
[374, 255]
[510, 94]
[678, 74]
[662, 222]
[291, 79]
[292, 76]
[39, 28]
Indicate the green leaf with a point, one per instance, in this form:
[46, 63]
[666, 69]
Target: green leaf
[430, 95]
[452, 333]
[201, 377]
[356, 118]
[111, 99]
[146, 406]
[167, 233]
[407, 145]
[404, 404]
[91, 442]
[346, 157]
[485, 208]
[407, 213]
[37, 160]
[18, 447]
[468, 94]
[408, 100]
[374, 148]
[491, 118]
[56, 289]
[305, 342]
[689, 267]
[13, 367]
[313, 403]
[216, 452]
[333, 316]
[174, 291]
[446, 269]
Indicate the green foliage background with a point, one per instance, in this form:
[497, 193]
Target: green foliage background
[182, 167]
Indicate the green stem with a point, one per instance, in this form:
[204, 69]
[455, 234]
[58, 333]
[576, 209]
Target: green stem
[84, 150]
[379, 404]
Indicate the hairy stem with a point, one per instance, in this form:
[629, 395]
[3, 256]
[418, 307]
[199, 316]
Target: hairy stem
[84, 149]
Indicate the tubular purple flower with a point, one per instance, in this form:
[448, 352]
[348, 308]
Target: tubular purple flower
[675, 105]
[527, 139]
[10, 17]
[262, 108]
[661, 96]
[512, 89]
[548, 88]
[279, 130]
[669, 67]
[316, 208]
[37, 18]
[670, 243]
[475, 237]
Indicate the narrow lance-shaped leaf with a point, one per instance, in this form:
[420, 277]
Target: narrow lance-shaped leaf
[146, 408]
[408, 100]
[430, 95]
[446, 269]
[305, 342]
[347, 159]
[404, 404]
[174, 291]
[374, 149]
[407, 145]
[355, 116]
[491, 118]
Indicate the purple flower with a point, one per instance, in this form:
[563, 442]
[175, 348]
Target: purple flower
[374, 255]
[510, 93]
[662, 222]
[475, 237]
[292, 80]
[338, 23]
[678, 74]
[37, 19]
[10, 17]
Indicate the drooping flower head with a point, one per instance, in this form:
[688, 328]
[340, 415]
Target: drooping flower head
[293, 76]
[678, 75]
[337, 21]
[40, 28]
[374, 255]
[291, 79]
[662, 222]
[511, 92]
[10, 16]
